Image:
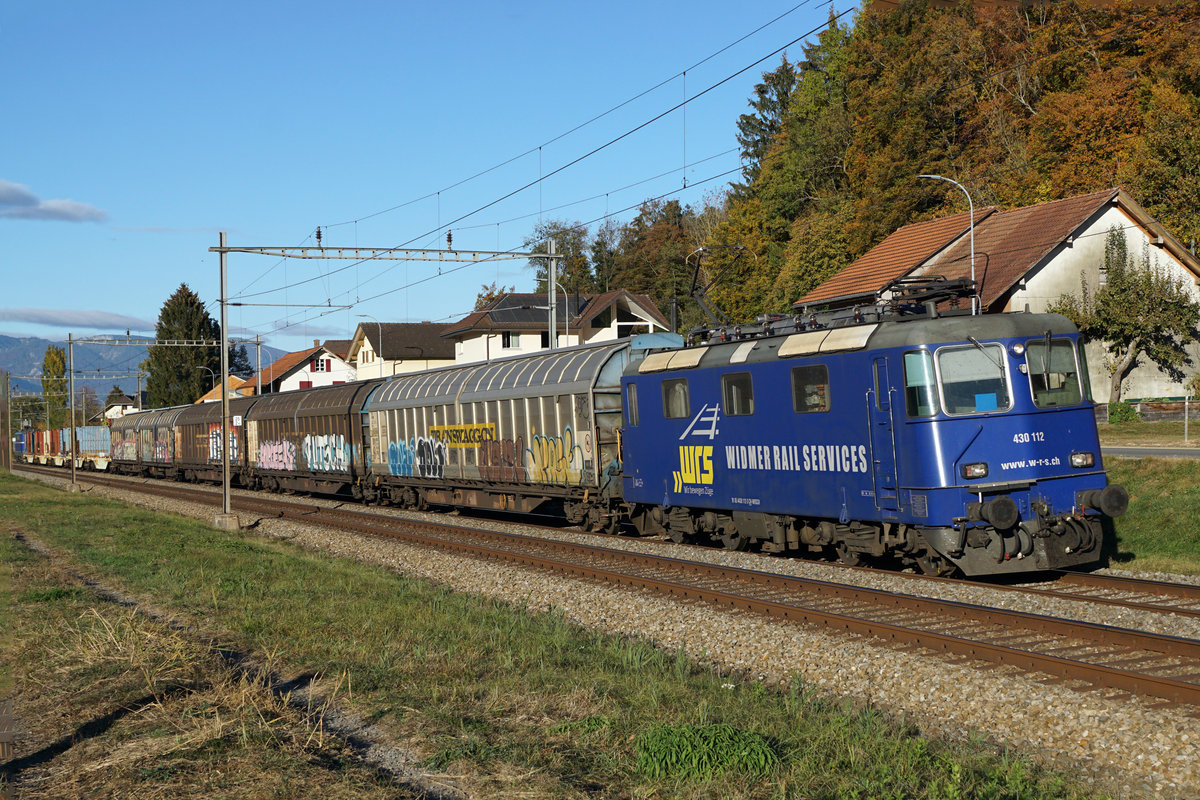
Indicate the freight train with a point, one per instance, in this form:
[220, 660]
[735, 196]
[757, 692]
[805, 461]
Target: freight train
[950, 442]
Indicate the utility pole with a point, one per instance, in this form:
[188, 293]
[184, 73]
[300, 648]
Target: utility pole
[226, 520]
[551, 278]
[73, 487]
[6, 459]
[257, 365]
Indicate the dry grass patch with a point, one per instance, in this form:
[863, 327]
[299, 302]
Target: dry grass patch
[112, 703]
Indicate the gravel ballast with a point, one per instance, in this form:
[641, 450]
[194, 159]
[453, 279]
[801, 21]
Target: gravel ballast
[1128, 746]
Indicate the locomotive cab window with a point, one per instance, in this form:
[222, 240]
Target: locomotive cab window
[631, 407]
[738, 393]
[920, 391]
[973, 379]
[675, 399]
[810, 389]
[1054, 380]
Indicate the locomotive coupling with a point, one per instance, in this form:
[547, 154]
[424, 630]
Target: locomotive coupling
[1001, 512]
[1112, 500]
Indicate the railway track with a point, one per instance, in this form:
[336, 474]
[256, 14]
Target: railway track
[1137, 662]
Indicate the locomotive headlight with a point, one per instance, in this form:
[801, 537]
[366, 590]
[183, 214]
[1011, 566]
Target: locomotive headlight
[974, 471]
[1018, 349]
[1083, 459]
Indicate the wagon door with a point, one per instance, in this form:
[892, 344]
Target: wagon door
[883, 440]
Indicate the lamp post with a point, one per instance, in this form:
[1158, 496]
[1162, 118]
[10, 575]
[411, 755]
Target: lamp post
[566, 315]
[380, 353]
[971, 207]
[210, 372]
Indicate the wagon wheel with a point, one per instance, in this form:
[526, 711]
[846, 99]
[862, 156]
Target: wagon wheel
[847, 556]
[933, 563]
[734, 541]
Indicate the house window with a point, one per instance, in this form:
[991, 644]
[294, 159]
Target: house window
[545, 340]
[321, 365]
[510, 340]
[305, 384]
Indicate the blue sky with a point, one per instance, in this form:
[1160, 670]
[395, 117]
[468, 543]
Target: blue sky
[136, 131]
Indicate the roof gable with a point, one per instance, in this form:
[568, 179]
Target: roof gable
[900, 253]
[1010, 244]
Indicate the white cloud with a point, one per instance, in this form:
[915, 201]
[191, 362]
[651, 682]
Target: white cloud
[17, 202]
[104, 320]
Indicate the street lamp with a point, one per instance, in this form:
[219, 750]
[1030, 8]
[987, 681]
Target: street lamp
[566, 315]
[210, 372]
[971, 206]
[380, 353]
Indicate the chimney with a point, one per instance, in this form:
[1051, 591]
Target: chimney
[316, 342]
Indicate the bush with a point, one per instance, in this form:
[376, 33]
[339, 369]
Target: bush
[1123, 412]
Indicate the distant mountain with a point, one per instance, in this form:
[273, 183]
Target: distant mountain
[22, 358]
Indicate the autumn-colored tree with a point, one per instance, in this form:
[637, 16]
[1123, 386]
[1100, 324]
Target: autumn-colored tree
[1140, 310]
[54, 386]
[491, 292]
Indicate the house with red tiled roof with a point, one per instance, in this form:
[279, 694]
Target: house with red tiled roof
[316, 366]
[1024, 259]
[380, 349]
[238, 387]
[520, 323]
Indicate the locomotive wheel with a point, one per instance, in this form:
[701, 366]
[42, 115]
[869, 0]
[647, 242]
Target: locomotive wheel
[734, 541]
[847, 556]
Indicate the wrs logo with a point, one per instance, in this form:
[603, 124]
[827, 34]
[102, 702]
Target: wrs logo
[695, 466]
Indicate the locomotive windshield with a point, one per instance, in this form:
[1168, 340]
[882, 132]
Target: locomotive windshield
[1054, 381]
[973, 379]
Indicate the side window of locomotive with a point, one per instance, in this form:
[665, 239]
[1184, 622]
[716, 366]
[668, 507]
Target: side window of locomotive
[738, 392]
[810, 389]
[973, 379]
[1085, 377]
[631, 408]
[1054, 380]
[920, 391]
[675, 399]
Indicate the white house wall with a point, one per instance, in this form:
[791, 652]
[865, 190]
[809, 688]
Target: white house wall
[1060, 274]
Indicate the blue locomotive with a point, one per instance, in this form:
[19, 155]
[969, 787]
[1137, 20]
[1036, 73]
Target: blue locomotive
[952, 442]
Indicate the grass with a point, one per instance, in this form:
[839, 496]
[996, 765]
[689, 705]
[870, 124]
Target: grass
[1166, 433]
[501, 701]
[1161, 529]
[113, 703]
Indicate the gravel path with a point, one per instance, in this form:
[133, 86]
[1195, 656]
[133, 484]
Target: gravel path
[1127, 746]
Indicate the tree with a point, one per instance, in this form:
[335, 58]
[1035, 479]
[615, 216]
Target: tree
[757, 131]
[176, 375]
[54, 386]
[574, 271]
[490, 293]
[1140, 310]
[239, 361]
[88, 405]
[115, 395]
